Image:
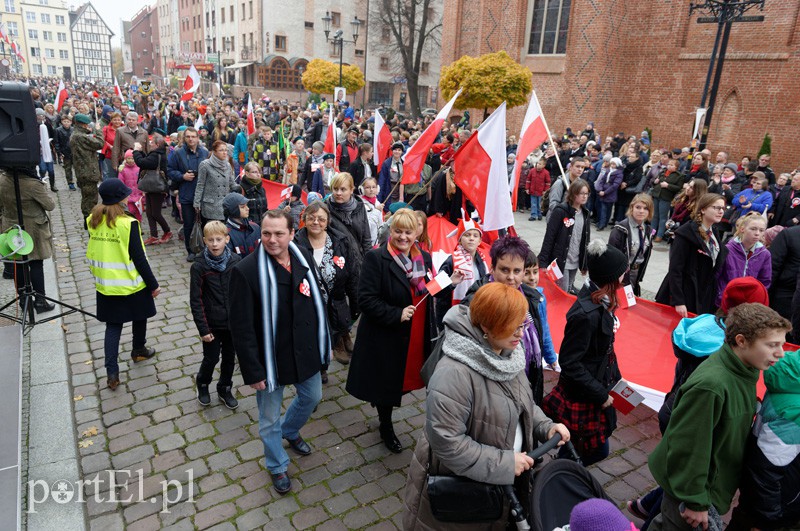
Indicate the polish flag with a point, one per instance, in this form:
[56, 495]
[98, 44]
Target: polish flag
[414, 159]
[481, 172]
[532, 135]
[191, 84]
[198, 123]
[17, 51]
[251, 117]
[382, 141]
[117, 90]
[61, 96]
[440, 281]
[330, 138]
[4, 33]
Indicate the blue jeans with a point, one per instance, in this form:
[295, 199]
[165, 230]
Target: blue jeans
[604, 212]
[660, 216]
[273, 428]
[536, 202]
[189, 216]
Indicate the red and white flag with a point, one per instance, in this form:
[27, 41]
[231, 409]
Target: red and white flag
[61, 96]
[382, 141]
[533, 134]
[414, 159]
[191, 84]
[553, 272]
[439, 282]
[17, 51]
[481, 172]
[286, 193]
[330, 137]
[117, 90]
[251, 117]
[4, 33]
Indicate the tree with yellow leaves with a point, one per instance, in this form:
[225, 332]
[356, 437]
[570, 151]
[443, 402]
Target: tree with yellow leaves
[322, 77]
[488, 81]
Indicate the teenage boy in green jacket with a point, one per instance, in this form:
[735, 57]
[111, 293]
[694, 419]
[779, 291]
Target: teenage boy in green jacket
[699, 460]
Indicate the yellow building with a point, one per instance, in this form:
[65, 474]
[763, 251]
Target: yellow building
[11, 16]
[49, 39]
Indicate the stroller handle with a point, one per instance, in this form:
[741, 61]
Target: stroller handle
[551, 444]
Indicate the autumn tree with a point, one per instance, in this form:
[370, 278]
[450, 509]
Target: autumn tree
[322, 77]
[487, 81]
[414, 29]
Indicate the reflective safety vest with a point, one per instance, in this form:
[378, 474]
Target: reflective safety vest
[109, 260]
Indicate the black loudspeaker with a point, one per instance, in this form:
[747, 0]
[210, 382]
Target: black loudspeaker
[19, 132]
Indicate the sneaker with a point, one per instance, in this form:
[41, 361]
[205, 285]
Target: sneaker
[226, 397]
[166, 237]
[72, 186]
[202, 394]
[636, 509]
[142, 354]
[152, 240]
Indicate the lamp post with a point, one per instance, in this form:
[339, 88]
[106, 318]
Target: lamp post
[171, 52]
[338, 39]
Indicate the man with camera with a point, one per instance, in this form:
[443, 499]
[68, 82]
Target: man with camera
[182, 172]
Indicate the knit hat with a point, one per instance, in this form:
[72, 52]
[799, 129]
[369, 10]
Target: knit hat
[742, 290]
[598, 515]
[464, 225]
[129, 153]
[113, 191]
[40, 112]
[617, 162]
[313, 196]
[606, 263]
[230, 205]
[731, 166]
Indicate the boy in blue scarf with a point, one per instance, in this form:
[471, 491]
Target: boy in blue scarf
[208, 299]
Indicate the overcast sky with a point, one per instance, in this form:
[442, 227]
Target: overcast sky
[113, 11]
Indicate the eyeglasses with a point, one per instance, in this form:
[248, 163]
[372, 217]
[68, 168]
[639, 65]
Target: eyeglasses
[718, 208]
[584, 193]
[322, 220]
[520, 329]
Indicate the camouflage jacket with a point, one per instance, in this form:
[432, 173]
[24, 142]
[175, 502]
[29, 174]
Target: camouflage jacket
[84, 146]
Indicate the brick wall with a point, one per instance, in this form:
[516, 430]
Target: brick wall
[631, 65]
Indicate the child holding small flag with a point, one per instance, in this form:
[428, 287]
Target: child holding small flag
[292, 203]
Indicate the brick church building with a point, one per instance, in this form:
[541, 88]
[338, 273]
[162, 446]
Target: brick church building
[631, 64]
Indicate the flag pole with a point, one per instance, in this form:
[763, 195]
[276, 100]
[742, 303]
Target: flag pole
[555, 149]
[425, 187]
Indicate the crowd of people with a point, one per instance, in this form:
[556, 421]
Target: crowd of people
[339, 269]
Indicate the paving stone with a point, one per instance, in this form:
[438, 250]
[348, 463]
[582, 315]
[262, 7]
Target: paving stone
[388, 506]
[142, 509]
[346, 481]
[151, 523]
[341, 503]
[149, 406]
[258, 498]
[135, 424]
[124, 442]
[212, 482]
[165, 414]
[95, 463]
[134, 455]
[168, 460]
[197, 468]
[209, 499]
[196, 433]
[244, 470]
[256, 481]
[116, 416]
[199, 449]
[282, 507]
[214, 515]
[366, 494]
[309, 517]
[170, 442]
[361, 517]
[222, 461]
[232, 438]
[189, 420]
[252, 519]
[106, 522]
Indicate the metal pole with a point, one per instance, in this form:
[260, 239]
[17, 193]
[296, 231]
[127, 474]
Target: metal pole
[715, 86]
[341, 58]
[711, 63]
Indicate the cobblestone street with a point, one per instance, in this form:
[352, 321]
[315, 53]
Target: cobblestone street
[154, 427]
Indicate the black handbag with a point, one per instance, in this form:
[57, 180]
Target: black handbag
[153, 181]
[460, 499]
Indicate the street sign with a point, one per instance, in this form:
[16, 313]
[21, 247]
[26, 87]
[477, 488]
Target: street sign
[744, 18]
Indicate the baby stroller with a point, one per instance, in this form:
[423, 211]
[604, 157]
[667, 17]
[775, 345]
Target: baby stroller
[558, 486]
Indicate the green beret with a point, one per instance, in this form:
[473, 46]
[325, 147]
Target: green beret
[82, 119]
[328, 156]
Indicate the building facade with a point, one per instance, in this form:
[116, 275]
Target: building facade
[91, 45]
[11, 16]
[386, 79]
[48, 50]
[169, 35]
[144, 42]
[627, 65]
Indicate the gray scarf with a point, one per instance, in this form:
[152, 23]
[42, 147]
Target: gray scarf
[223, 166]
[464, 343]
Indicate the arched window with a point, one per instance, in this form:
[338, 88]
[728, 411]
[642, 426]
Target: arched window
[278, 74]
[549, 25]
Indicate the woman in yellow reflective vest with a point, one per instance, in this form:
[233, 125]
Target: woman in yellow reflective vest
[124, 282]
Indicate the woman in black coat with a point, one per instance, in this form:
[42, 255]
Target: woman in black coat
[397, 323]
[634, 237]
[632, 175]
[334, 258]
[560, 235]
[154, 160]
[694, 258]
[589, 367]
[348, 213]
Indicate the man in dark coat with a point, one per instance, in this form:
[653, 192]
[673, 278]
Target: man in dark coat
[785, 253]
[182, 168]
[362, 167]
[280, 332]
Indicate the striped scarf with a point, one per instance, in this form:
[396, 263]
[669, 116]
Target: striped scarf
[269, 304]
[412, 265]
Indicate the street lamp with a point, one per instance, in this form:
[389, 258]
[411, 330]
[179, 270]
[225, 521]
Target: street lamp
[338, 39]
[164, 54]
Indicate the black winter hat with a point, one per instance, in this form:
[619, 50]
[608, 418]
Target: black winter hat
[606, 263]
[113, 191]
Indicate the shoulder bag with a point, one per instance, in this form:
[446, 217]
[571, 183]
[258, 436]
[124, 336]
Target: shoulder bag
[153, 181]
